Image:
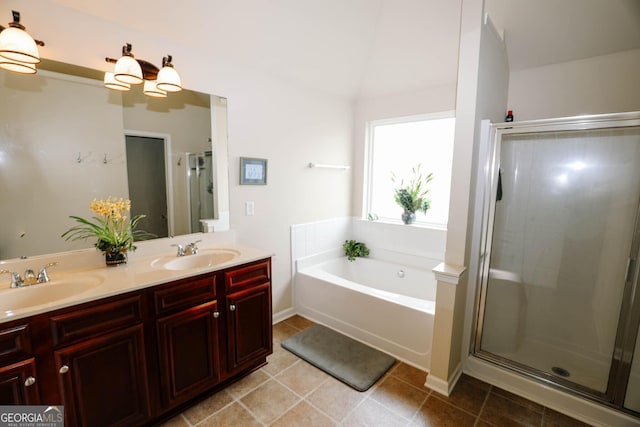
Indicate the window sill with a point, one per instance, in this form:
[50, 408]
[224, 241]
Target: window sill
[392, 222]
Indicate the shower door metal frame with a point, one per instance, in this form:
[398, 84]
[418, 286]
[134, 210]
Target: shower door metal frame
[629, 319]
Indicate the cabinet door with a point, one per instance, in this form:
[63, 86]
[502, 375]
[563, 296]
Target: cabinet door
[249, 325]
[189, 354]
[18, 384]
[103, 380]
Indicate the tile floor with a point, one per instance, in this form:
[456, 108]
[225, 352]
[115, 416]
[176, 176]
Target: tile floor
[290, 392]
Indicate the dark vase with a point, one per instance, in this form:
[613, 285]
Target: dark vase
[408, 217]
[115, 256]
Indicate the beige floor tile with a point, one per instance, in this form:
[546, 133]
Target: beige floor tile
[304, 415]
[500, 411]
[248, 383]
[299, 322]
[372, 414]
[436, 412]
[269, 401]
[282, 331]
[408, 373]
[302, 377]
[335, 398]
[469, 394]
[279, 360]
[517, 399]
[208, 407]
[551, 418]
[232, 416]
[175, 422]
[400, 397]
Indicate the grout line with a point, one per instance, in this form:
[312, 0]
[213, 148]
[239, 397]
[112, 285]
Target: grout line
[484, 403]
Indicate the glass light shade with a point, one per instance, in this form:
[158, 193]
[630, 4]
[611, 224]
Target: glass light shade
[18, 46]
[127, 70]
[169, 80]
[151, 89]
[17, 67]
[111, 83]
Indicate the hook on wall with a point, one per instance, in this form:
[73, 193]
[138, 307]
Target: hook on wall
[105, 160]
[81, 158]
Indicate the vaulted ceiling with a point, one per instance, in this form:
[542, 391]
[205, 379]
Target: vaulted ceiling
[370, 48]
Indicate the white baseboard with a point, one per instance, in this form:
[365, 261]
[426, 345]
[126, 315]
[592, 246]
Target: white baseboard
[282, 315]
[442, 386]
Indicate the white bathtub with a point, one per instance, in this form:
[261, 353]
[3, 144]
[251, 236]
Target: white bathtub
[387, 306]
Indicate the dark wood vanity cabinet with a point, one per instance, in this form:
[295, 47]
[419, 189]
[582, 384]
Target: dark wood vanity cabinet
[99, 361]
[18, 376]
[132, 359]
[187, 327]
[248, 314]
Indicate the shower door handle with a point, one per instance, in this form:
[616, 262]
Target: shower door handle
[630, 267]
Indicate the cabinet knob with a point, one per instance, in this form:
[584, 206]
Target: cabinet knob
[216, 314]
[232, 307]
[29, 381]
[64, 369]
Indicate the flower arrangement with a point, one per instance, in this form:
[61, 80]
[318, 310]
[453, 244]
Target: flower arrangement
[413, 196]
[112, 227]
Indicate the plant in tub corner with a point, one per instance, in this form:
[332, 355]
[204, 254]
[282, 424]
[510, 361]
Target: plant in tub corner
[413, 196]
[353, 249]
[112, 227]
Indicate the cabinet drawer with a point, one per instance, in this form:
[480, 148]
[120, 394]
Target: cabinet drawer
[252, 274]
[96, 319]
[15, 342]
[184, 294]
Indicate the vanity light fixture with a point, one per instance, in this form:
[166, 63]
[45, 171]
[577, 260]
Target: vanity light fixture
[131, 71]
[168, 78]
[111, 83]
[18, 50]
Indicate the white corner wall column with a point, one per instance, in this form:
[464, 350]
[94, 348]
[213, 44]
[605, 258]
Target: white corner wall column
[441, 377]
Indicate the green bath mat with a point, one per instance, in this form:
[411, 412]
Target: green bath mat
[355, 364]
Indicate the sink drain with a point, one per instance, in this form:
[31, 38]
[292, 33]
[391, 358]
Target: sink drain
[560, 371]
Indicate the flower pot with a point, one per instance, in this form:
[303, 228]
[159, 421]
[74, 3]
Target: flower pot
[115, 256]
[408, 217]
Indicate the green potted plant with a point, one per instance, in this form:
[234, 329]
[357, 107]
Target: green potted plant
[413, 196]
[353, 249]
[114, 231]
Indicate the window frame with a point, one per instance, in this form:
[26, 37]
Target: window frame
[369, 156]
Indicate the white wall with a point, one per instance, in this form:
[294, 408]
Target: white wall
[603, 84]
[482, 94]
[432, 100]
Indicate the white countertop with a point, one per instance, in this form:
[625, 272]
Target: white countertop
[139, 272]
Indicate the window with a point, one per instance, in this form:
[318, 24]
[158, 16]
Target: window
[398, 145]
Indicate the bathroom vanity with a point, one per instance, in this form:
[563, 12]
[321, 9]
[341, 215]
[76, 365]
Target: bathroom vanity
[139, 354]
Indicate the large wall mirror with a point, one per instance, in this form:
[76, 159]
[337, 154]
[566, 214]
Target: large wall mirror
[65, 140]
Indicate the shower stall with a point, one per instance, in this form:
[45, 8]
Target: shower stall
[200, 188]
[559, 266]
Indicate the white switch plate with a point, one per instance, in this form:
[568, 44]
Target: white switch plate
[249, 208]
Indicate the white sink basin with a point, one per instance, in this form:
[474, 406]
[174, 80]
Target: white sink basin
[12, 299]
[204, 259]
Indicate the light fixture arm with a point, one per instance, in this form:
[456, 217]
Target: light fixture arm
[16, 24]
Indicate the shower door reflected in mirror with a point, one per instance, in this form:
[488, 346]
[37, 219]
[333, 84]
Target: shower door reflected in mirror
[200, 182]
[566, 205]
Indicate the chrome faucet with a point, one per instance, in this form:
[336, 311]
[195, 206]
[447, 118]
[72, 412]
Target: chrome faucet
[188, 249]
[30, 277]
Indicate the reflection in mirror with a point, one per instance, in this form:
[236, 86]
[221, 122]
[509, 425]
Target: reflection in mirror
[65, 140]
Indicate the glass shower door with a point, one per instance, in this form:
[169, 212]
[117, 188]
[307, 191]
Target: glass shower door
[565, 211]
